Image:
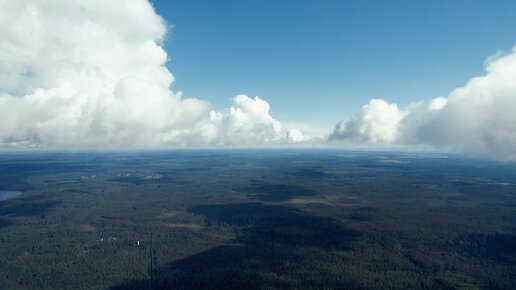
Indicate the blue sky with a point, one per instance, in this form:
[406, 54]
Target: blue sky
[320, 61]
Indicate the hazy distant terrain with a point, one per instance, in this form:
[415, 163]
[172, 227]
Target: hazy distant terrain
[256, 219]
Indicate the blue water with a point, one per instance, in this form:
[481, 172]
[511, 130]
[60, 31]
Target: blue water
[6, 194]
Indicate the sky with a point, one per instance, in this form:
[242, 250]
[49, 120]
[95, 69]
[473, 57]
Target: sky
[430, 75]
[330, 57]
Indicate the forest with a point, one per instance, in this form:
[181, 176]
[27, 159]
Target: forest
[256, 219]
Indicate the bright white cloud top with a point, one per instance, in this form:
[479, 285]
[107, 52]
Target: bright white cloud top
[479, 118]
[85, 73]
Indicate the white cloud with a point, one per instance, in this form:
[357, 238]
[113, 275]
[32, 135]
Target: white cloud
[248, 122]
[377, 123]
[478, 118]
[295, 136]
[91, 73]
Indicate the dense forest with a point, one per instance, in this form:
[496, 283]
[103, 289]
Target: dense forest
[256, 219]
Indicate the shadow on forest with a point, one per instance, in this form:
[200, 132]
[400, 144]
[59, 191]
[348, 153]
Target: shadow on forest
[276, 246]
[4, 222]
[496, 247]
[24, 206]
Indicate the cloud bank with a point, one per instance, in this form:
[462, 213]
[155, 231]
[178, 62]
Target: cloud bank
[83, 73]
[478, 118]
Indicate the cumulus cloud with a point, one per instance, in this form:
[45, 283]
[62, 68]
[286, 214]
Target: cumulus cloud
[92, 73]
[247, 122]
[295, 136]
[478, 118]
[377, 123]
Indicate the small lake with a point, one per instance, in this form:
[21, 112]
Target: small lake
[6, 194]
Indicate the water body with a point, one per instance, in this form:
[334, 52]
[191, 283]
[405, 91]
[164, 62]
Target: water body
[6, 194]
